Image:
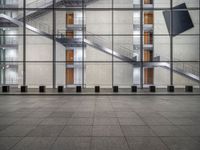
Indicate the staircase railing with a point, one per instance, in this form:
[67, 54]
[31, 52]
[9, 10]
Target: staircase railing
[41, 26]
[185, 66]
[10, 40]
[192, 70]
[10, 2]
[43, 3]
[102, 41]
[49, 29]
[39, 3]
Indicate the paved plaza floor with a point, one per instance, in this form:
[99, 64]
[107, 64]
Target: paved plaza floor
[148, 122]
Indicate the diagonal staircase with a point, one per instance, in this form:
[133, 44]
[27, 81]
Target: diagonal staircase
[64, 41]
[44, 5]
[109, 51]
[103, 45]
[122, 50]
[176, 69]
[184, 69]
[116, 54]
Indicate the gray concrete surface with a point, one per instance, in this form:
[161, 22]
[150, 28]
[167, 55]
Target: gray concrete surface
[100, 122]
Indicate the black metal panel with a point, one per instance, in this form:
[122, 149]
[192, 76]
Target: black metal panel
[181, 20]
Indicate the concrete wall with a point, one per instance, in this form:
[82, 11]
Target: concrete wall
[60, 65]
[39, 71]
[185, 47]
[40, 49]
[100, 22]
[11, 76]
[46, 25]
[123, 24]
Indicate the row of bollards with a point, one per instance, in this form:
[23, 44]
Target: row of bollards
[60, 89]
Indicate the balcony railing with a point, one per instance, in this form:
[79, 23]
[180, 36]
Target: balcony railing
[9, 4]
[9, 40]
[8, 58]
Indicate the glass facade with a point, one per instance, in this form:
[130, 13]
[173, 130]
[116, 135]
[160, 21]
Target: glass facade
[99, 42]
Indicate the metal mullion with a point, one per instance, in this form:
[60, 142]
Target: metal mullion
[112, 42]
[24, 43]
[94, 9]
[141, 43]
[54, 46]
[0, 64]
[124, 35]
[83, 44]
[171, 42]
[199, 45]
[4, 64]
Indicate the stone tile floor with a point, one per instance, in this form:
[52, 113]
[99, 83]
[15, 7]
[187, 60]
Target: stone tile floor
[100, 122]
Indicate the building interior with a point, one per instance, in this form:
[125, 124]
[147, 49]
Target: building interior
[50, 50]
[99, 42]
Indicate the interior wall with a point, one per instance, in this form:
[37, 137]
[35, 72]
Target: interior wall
[185, 46]
[100, 22]
[39, 50]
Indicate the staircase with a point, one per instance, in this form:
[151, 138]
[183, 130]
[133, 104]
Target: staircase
[42, 8]
[109, 51]
[92, 40]
[103, 45]
[44, 5]
[187, 70]
[64, 41]
[122, 53]
[182, 72]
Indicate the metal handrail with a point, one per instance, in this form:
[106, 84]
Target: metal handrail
[11, 2]
[182, 65]
[8, 58]
[41, 26]
[129, 55]
[43, 3]
[39, 3]
[47, 28]
[100, 40]
[10, 40]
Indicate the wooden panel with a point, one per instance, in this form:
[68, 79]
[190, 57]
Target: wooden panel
[70, 34]
[70, 56]
[69, 76]
[70, 18]
[148, 55]
[148, 38]
[148, 72]
[147, 1]
[148, 75]
[145, 75]
[148, 18]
